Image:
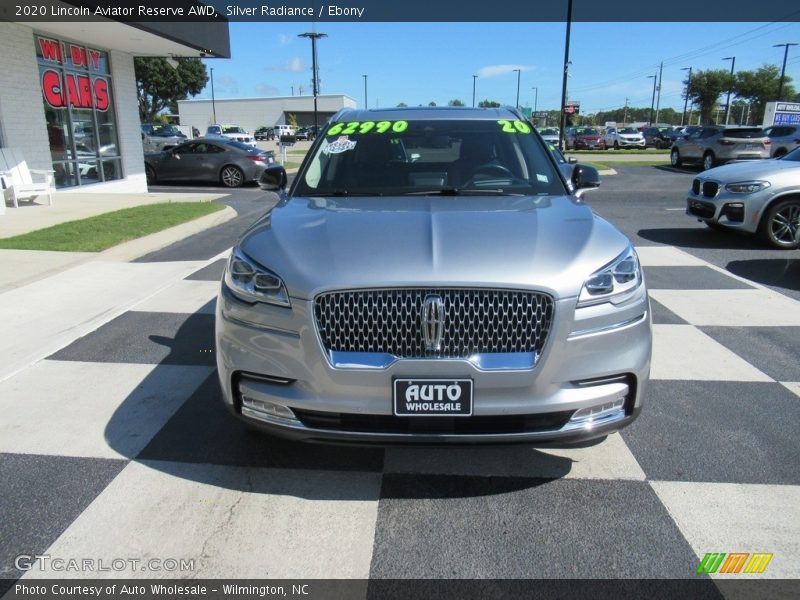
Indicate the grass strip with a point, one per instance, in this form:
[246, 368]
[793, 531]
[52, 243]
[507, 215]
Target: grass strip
[103, 231]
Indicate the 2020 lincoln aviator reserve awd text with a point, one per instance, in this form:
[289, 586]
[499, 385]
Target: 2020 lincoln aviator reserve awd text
[431, 275]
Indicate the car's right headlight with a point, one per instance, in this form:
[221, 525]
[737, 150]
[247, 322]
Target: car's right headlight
[747, 187]
[251, 282]
[617, 282]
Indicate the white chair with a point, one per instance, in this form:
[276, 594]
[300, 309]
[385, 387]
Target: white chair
[18, 180]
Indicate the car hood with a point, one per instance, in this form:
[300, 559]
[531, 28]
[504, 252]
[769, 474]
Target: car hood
[749, 169]
[590, 137]
[318, 244]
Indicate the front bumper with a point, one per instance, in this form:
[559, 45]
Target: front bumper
[630, 143]
[269, 356]
[735, 211]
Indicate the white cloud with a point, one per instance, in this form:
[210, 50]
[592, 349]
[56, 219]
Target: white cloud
[228, 84]
[285, 39]
[293, 65]
[495, 70]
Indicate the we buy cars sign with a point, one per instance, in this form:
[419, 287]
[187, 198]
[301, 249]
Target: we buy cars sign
[78, 90]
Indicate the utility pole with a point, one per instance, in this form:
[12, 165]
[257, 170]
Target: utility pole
[291, 86]
[474, 79]
[658, 102]
[213, 103]
[783, 69]
[519, 75]
[366, 104]
[688, 88]
[625, 114]
[730, 89]
[314, 36]
[653, 101]
[562, 121]
[535, 100]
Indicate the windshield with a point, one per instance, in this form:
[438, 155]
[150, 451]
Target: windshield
[549, 132]
[429, 157]
[587, 131]
[166, 131]
[233, 130]
[629, 130]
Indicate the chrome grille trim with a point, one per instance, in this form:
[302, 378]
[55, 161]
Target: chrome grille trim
[477, 321]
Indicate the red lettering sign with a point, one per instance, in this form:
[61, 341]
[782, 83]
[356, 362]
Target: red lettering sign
[78, 55]
[51, 50]
[79, 91]
[94, 56]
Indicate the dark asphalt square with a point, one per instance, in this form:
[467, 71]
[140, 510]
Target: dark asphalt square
[506, 528]
[204, 431]
[41, 497]
[718, 431]
[148, 338]
[664, 316]
[690, 278]
[773, 350]
[212, 272]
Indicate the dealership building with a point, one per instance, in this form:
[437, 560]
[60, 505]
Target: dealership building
[252, 113]
[68, 96]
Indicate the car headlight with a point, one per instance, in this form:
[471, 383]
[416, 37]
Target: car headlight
[615, 283]
[747, 187]
[253, 283]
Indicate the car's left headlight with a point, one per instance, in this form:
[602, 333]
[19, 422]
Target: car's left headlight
[617, 282]
[747, 187]
[251, 282]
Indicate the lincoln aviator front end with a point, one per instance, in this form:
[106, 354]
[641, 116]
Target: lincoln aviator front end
[432, 276]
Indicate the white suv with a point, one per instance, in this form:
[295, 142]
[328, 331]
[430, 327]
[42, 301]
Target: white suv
[624, 137]
[233, 132]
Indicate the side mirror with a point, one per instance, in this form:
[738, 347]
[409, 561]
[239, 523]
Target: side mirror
[585, 177]
[273, 178]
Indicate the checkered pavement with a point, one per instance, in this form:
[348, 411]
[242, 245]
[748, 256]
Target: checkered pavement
[118, 445]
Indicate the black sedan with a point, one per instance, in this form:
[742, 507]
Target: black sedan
[228, 162]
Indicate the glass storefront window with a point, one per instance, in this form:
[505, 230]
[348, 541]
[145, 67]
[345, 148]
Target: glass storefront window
[78, 100]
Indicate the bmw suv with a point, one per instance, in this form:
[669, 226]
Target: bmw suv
[431, 275]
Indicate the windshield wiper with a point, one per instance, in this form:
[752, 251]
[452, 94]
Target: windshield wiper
[343, 193]
[452, 191]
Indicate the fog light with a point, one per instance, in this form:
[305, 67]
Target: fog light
[591, 415]
[266, 411]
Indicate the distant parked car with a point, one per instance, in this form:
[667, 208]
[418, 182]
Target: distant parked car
[760, 197]
[208, 159]
[658, 137]
[784, 138]
[549, 135]
[623, 137]
[264, 133]
[232, 132]
[584, 138]
[714, 145]
[304, 133]
[156, 137]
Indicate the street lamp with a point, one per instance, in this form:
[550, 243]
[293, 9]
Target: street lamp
[474, 79]
[535, 99]
[213, 103]
[688, 87]
[728, 103]
[653, 101]
[783, 69]
[366, 104]
[314, 36]
[519, 74]
[562, 121]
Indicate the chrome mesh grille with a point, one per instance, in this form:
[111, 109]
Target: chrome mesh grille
[475, 321]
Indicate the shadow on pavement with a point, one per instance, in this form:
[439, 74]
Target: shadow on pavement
[702, 237]
[777, 272]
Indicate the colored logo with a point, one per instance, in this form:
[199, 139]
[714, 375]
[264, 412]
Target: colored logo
[734, 562]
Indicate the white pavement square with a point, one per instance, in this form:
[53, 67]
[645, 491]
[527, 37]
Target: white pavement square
[233, 521]
[684, 352]
[792, 386]
[735, 308]
[726, 517]
[98, 410]
[184, 296]
[667, 256]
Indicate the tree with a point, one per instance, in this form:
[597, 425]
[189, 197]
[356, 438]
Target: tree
[455, 103]
[761, 86]
[402, 105]
[431, 103]
[159, 85]
[489, 104]
[707, 87]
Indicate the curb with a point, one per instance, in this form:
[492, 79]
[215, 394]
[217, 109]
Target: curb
[128, 251]
[607, 172]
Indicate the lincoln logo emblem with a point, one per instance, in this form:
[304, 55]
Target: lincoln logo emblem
[432, 322]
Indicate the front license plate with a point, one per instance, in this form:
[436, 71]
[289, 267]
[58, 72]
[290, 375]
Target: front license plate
[432, 397]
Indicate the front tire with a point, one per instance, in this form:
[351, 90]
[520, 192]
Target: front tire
[780, 225]
[675, 158]
[708, 161]
[231, 176]
[616, 145]
[150, 173]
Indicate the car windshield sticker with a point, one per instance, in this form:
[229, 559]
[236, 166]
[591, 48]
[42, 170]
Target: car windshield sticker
[362, 127]
[514, 126]
[542, 178]
[343, 144]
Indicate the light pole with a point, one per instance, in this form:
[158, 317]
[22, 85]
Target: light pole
[653, 101]
[366, 105]
[562, 120]
[658, 101]
[474, 79]
[535, 100]
[314, 77]
[730, 89]
[783, 69]
[688, 87]
[213, 102]
[519, 74]
[291, 86]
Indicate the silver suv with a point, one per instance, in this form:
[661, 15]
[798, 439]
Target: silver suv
[714, 145]
[785, 138]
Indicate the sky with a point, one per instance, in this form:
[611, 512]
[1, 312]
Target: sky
[418, 63]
